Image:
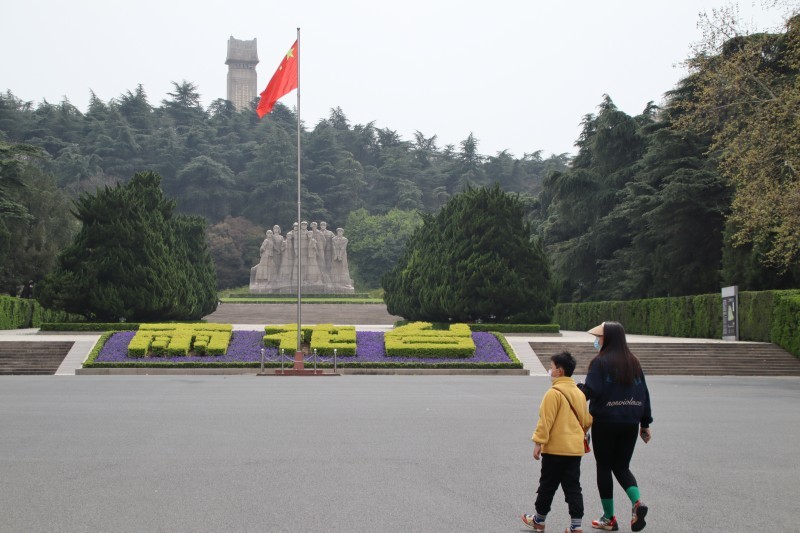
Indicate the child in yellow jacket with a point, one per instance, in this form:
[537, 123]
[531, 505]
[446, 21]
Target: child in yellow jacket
[563, 421]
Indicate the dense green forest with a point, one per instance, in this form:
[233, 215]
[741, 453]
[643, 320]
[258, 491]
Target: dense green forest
[699, 193]
[240, 172]
[696, 193]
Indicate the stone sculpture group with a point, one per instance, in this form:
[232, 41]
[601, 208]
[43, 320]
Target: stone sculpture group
[323, 261]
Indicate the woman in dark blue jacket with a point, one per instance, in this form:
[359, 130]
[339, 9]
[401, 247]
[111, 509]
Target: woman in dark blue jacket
[620, 404]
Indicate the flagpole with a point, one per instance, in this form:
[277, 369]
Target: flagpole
[299, 354]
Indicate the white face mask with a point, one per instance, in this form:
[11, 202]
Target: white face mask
[550, 372]
[597, 343]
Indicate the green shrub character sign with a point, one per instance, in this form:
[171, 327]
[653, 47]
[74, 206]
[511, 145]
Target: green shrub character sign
[422, 339]
[323, 337]
[180, 339]
[418, 339]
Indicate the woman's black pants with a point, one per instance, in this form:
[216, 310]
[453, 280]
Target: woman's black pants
[613, 448]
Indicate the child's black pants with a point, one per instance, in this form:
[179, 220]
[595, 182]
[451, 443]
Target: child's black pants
[561, 470]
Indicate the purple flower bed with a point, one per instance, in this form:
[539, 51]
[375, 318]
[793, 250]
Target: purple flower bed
[369, 349]
[245, 347]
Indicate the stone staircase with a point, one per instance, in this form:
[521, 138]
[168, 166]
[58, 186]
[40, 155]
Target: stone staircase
[18, 358]
[689, 359]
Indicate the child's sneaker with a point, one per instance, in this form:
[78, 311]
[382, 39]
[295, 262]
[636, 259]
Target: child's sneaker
[570, 530]
[639, 512]
[530, 521]
[606, 524]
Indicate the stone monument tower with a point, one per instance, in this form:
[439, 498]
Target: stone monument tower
[242, 83]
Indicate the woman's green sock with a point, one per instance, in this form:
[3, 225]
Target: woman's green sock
[633, 493]
[608, 507]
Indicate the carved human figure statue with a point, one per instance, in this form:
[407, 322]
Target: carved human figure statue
[298, 236]
[301, 240]
[327, 248]
[288, 264]
[278, 245]
[319, 246]
[321, 254]
[313, 275]
[266, 267]
[340, 272]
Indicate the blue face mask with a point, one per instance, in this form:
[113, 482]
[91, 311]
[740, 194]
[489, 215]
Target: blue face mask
[597, 343]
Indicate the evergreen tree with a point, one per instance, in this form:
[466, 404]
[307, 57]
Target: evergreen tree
[674, 209]
[14, 214]
[377, 242]
[474, 260]
[206, 188]
[133, 259]
[578, 199]
[234, 245]
[35, 240]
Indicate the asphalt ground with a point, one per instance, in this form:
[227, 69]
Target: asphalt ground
[371, 454]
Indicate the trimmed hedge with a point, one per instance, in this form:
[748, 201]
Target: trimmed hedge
[509, 350]
[327, 337]
[20, 313]
[105, 326]
[516, 328]
[98, 347]
[423, 339]
[140, 363]
[89, 326]
[284, 337]
[179, 339]
[785, 328]
[766, 316]
[488, 326]
[91, 361]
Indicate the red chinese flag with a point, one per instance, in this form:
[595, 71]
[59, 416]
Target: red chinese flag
[283, 81]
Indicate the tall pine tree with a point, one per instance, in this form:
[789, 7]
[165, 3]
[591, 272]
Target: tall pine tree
[133, 259]
[474, 260]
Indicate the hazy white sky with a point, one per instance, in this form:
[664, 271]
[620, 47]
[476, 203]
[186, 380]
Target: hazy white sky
[519, 74]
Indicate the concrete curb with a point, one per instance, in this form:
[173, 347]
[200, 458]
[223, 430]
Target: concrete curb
[343, 371]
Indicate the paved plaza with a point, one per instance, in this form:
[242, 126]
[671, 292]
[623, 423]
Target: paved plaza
[386, 453]
[370, 453]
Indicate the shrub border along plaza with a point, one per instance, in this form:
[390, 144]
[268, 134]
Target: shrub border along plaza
[517, 328]
[89, 326]
[20, 313]
[766, 316]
